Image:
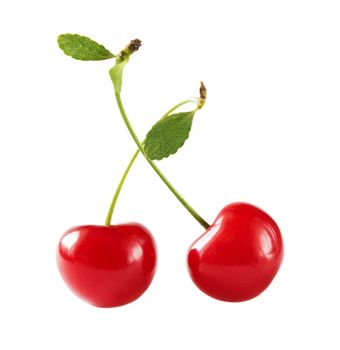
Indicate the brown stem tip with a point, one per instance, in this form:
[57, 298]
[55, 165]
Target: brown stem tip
[203, 96]
[203, 91]
[134, 45]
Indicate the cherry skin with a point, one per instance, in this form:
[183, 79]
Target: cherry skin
[107, 266]
[238, 256]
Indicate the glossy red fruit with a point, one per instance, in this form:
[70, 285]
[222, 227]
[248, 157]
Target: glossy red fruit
[238, 256]
[107, 266]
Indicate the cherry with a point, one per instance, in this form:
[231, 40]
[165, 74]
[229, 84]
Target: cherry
[107, 266]
[239, 254]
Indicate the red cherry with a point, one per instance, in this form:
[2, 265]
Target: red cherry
[107, 265]
[238, 256]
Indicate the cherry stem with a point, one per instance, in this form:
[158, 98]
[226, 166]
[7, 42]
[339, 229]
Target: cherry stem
[154, 166]
[127, 170]
[119, 188]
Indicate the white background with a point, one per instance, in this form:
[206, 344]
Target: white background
[269, 135]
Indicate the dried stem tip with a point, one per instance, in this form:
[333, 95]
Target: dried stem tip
[203, 96]
[203, 91]
[134, 45]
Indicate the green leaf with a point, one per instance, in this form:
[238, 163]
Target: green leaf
[83, 48]
[168, 135]
[116, 74]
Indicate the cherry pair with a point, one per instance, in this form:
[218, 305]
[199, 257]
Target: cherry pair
[235, 259]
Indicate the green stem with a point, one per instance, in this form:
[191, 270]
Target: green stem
[190, 100]
[122, 180]
[153, 165]
[119, 188]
